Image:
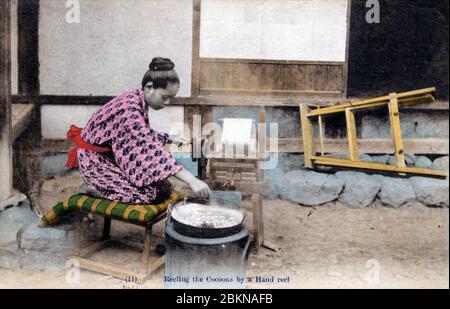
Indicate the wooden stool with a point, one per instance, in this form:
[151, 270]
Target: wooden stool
[82, 254]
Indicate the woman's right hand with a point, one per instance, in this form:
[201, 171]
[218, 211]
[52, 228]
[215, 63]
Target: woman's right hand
[178, 140]
[200, 188]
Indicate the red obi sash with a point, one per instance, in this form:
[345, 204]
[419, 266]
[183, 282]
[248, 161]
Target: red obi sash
[74, 135]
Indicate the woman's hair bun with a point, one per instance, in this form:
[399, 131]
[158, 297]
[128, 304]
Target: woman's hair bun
[161, 64]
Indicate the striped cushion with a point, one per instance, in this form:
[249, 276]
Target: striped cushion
[126, 211]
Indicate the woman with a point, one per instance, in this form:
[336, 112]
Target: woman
[121, 155]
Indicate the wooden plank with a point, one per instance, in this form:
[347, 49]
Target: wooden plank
[321, 135]
[128, 243]
[394, 117]
[249, 161]
[375, 146]
[105, 268]
[261, 142]
[256, 212]
[78, 234]
[339, 162]
[146, 249]
[106, 234]
[156, 265]
[232, 165]
[438, 106]
[407, 102]
[21, 118]
[260, 214]
[206, 113]
[195, 77]
[215, 100]
[270, 61]
[295, 145]
[245, 187]
[28, 46]
[372, 146]
[93, 248]
[221, 100]
[351, 134]
[342, 106]
[307, 135]
[152, 268]
[189, 112]
[264, 92]
[234, 77]
[6, 169]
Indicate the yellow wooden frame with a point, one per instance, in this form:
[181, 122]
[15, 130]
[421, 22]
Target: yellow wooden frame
[393, 100]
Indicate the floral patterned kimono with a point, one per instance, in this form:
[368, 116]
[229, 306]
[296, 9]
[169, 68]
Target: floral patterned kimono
[136, 163]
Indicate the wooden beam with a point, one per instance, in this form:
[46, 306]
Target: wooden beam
[22, 115]
[6, 169]
[270, 61]
[219, 100]
[434, 146]
[339, 162]
[28, 46]
[195, 77]
[351, 134]
[245, 187]
[189, 112]
[261, 139]
[408, 96]
[274, 78]
[117, 271]
[213, 100]
[307, 132]
[321, 134]
[438, 105]
[271, 92]
[394, 117]
[371, 146]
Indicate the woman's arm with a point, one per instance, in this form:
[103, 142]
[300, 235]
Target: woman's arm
[200, 188]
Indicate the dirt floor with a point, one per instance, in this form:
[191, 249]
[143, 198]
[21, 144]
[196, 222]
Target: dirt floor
[329, 246]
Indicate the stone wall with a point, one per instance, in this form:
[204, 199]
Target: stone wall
[356, 189]
[292, 182]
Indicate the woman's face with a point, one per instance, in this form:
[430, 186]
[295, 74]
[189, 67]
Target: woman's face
[157, 98]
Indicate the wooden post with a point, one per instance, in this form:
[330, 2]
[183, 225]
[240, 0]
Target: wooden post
[195, 83]
[6, 170]
[351, 134]
[308, 135]
[78, 234]
[256, 211]
[147, 240]
[261, 142]
[321, 135]
[394, 117]
[28, 47]
[106, 228]
[258, 197]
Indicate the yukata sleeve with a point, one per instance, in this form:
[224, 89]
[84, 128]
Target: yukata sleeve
[139, 151]
[163, 137]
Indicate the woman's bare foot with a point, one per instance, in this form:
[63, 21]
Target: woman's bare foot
[88, 189]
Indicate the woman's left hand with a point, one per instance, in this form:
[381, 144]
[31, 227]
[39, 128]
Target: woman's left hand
[178, 140]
